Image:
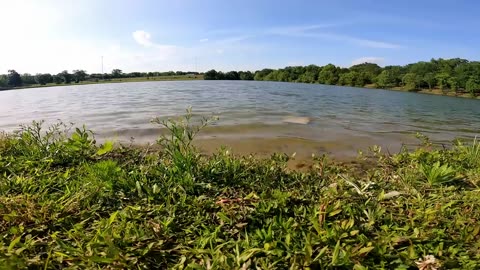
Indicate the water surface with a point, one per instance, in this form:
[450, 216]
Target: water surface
[342, 119]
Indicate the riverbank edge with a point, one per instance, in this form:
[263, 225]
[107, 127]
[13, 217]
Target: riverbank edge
[124, 80]
[435, 91]
[68, 201]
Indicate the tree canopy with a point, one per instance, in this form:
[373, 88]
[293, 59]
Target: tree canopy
[14, 79]
[445, 74]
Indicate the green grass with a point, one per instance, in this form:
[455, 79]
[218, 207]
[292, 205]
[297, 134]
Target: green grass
[66, 202]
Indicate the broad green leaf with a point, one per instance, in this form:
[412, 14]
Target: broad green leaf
[105, 148]
[13, 243]
[365, 250]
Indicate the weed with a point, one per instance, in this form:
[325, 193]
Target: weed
[437, 174]
[66, 202]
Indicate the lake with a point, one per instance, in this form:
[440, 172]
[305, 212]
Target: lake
[254, 116]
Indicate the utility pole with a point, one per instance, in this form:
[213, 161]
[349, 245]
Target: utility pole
[102, 69]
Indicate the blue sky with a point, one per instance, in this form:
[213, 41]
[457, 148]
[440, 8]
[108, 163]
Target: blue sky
[50, 35]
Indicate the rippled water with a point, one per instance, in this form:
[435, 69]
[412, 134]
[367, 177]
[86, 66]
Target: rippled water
[249, 109]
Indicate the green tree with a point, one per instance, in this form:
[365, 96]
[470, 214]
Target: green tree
[473, 85]
[292, 74]
[3, 81]
[313, 69]
[246, 75]
[308, 77]
[79, 75]
[328, 75]
[386, 79]
[348, 78]
[396, 74]
[57, 79]
[65, 77]
[410, 81]
[232, 75]
[210, 75]
[277, 75]
[14, 79]
[261, 74]
[448, 65]
[283, 76]
[363, 78]
[43, 79]
[421, 68]
[368, 71]
[466, 70]
[220, 76]
[442, 80]
[28, 78]
[453, 83]
[117, 73]
[429, 79]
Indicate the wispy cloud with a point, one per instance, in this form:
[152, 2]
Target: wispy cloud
[316, 31]
[369, 59]
[157, 51]
[354, 40]
[203, 40]
[235, 39]
[238, 35]
[373, 43]
[310, 32]
[144, 38]
[292, 30]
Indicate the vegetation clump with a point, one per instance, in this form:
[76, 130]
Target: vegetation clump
[67, 202]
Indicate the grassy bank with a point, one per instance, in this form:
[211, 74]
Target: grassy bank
[67, 203]
[119, 80]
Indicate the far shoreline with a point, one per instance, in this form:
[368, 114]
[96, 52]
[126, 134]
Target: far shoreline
[112, 81]
[434, 91]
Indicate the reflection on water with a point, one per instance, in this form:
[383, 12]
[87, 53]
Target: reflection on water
[356, 117]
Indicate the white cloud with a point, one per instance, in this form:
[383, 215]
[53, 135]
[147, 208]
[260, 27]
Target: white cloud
[374, 43]
[235, 39]
[153, 52]
[203, 40]
[220, 51]
[311, 31]
[289, 30]
[142, 38]
[369, 59]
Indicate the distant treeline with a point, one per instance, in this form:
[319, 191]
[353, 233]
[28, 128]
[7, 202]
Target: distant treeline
[456, 74]
[15, 79]
[231, 75]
